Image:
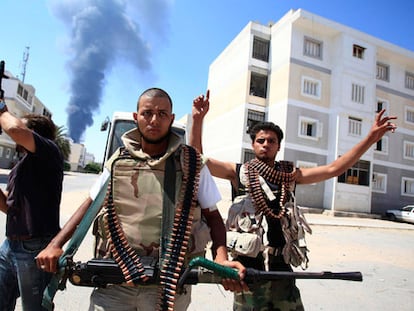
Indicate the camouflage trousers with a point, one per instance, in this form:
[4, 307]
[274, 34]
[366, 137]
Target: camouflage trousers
[279, 295]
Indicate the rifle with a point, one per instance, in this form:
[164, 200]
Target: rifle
[101, 272]
[2, 75]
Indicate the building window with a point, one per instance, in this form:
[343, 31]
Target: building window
[354, 126]
[258, 84]
[311, 87]
[248, 155]
[309, 128]
[358, 51]
[383, 72]
[312, 48]
[261, 49]
[409, 80]
[20, 90]
[382, 145]
[358, 174]
[409, 114]
[1, 151]
[8, 153]
[408, 150]
[254, 117]
[379, 182]
[382, 104]
[25, 94]
[47, 113]
[407, 186]
[358, 93]
[29, 99]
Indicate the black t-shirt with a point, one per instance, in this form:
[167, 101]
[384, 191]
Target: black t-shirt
[34, 192]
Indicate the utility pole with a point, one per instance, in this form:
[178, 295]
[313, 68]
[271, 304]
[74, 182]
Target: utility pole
[24, 63]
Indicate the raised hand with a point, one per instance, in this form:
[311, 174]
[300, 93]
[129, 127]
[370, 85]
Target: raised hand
[201, 104]
[382, 124]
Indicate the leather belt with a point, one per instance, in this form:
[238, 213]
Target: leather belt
[25, 237]
[19, 237]
[274, 251]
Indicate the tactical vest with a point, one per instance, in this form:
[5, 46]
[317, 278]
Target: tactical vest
[138, 195]
[274, 235]
[265, 205]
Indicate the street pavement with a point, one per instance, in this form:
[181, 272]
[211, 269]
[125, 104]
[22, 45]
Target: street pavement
[214, 297]
[204, 296]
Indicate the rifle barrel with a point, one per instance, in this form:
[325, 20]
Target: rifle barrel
[255, 275]
[1, 78]
[195, 276]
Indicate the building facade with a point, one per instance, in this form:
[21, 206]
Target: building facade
[79, 157]
[21, 100]
[322, 83]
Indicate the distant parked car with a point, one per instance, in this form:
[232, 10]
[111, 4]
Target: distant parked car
[405, 214]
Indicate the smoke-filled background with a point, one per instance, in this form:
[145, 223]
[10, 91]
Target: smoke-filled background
[102, 33]
[127, 46]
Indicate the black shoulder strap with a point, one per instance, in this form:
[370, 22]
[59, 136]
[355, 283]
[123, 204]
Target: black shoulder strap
[168, 202]
[240, 188]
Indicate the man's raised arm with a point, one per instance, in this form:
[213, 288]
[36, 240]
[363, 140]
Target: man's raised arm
[220, 169]
[382, 125]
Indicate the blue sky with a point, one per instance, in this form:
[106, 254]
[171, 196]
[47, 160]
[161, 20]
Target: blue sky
[164, 43]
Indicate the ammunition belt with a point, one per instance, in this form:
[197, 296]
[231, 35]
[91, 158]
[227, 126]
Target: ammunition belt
[172, 264]
[283, 177]
[122, 252]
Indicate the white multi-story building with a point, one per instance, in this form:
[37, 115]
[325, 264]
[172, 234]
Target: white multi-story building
[79, 157]
[322, 83]
[21, 100]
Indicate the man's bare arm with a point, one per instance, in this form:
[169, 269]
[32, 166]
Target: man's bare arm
[18, 131]
[219, 250]
[201, 105]
[225, 170]
[381, 126]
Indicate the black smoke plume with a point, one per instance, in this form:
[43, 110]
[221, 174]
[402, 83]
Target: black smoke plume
[103, 32]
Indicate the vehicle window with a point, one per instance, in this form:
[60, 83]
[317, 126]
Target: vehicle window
[120, 127]
[407, 208]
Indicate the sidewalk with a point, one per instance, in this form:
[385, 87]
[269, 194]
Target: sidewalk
[327, 218]
[319, 216]
[205, 294]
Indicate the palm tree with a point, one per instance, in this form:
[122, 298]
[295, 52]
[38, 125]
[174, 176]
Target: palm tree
[62, 142]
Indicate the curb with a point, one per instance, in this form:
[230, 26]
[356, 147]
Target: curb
[312, 210]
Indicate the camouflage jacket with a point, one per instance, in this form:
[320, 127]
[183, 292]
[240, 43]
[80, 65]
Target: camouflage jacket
[138, 187]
